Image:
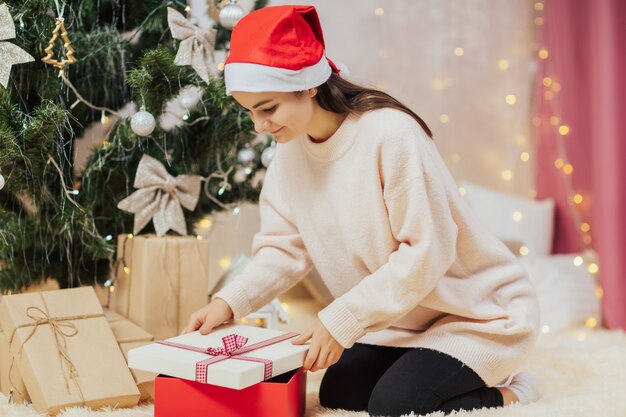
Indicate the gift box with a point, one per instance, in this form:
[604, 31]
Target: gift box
[160, 281]
[143, 379]
[281, 396]
[11, 382]
[130, 336]
[124, 330]
[65, 351]
[231, 356]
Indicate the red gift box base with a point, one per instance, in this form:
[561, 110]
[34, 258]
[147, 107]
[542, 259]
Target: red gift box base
[281, 396]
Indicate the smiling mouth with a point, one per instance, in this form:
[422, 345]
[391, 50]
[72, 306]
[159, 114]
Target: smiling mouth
[276, 131]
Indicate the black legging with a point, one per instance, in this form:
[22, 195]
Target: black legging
[390, 381]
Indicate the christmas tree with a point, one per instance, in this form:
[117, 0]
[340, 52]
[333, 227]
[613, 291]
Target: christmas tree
[102, 61]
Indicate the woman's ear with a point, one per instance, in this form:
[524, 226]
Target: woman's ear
[312, 92]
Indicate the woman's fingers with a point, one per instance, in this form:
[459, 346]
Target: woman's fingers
[210, 322]
[320, 362]
[206, 328]
[311, 357]
[333, 358]
[195, 321]
[303, 338]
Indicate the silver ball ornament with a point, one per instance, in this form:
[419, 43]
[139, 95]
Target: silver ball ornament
[142, 123]
[1, 182]
[268, 155]
[246, 155]
[230, 15]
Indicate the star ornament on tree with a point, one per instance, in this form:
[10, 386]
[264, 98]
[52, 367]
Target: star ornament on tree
[11, 54]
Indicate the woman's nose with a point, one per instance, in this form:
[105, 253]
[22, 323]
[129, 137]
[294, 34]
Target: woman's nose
[261, 125]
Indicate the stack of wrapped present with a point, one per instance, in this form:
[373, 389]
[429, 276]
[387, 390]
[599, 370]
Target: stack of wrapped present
[234, 371]
[60, 349]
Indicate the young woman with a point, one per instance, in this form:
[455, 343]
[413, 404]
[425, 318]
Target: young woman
[431, 312]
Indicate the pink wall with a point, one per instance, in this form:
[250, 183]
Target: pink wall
[587, 44]
[608, 110]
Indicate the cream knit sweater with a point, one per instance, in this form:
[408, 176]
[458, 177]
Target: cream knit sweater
[376, 211]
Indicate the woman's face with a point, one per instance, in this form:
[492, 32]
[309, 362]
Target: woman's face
[284, 115]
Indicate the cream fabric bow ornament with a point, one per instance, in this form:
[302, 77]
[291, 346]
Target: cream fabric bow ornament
[160, 196]
[11, 54]
[196, 46]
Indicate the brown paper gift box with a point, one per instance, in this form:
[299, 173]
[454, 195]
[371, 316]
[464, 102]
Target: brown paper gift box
[83, 342]
[130, 336]
[144, 379]
[11, 382]
[160, 281]
[125, 331]
[10, 378]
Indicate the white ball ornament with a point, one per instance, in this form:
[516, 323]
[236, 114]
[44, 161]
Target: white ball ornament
[1, 182]
[231, 14]
[268, 155]
[246, 156]
[188, 101]
[142, 123]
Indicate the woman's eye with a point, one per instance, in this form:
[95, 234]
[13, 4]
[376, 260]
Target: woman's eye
[270, 110]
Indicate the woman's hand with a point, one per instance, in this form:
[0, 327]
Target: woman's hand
[324, 351]
[209, 316]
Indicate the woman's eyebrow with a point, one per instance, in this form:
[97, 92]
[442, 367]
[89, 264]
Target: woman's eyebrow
[262, 102]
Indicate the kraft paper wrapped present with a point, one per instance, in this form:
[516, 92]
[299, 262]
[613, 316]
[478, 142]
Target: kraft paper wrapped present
[11, 382]
[65, 351]
[281, 396]
[160, 281]
[130, 336]
[143, 379]
[124, 330]
[231, 356]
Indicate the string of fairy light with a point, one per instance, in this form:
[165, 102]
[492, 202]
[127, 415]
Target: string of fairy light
[550, 90]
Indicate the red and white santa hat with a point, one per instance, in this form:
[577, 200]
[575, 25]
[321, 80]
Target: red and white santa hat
[277, 48]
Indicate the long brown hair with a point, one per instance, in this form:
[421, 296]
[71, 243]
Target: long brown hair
[339, 95]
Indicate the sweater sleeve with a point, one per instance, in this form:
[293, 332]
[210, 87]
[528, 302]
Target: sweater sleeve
[279, 258]
[422, 224]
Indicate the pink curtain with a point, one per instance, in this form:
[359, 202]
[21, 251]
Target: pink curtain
[586, 43]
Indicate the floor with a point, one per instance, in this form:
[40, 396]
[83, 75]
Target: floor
[583, 373]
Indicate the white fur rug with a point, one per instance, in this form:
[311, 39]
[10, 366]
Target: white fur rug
[583, 372]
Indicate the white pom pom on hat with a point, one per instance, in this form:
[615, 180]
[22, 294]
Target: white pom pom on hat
[343, 69]
[278, 48]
